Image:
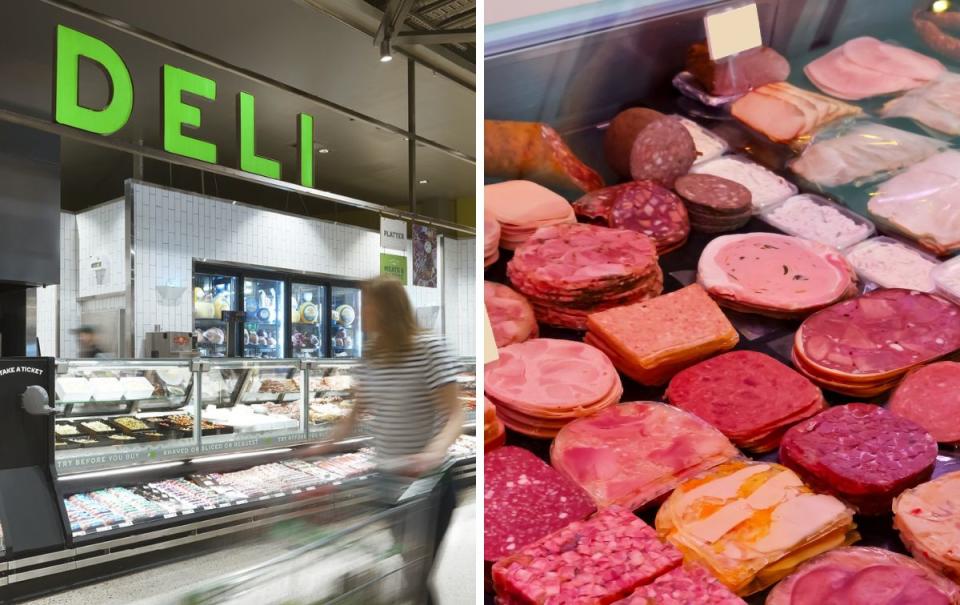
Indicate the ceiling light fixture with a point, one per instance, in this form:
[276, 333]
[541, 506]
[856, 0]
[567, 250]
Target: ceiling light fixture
[386, 55]
[424, 181]
[323, 150]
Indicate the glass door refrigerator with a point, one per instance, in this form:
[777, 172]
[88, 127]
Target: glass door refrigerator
[263, 325]
[213, 294]
[307, 319]
[346, 338]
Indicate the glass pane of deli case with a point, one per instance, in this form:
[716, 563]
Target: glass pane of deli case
[331, 395]
[345, 334]
[306, 320]
[212, 295]
[263, 321]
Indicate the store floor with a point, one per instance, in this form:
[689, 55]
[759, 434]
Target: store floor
[454, 575]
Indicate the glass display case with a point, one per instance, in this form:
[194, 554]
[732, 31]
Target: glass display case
[263, 306]
[306, 320]
[346, 338]
[212, 295]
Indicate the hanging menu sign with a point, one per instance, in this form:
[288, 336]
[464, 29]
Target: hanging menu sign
[393, 234]
[394, 265]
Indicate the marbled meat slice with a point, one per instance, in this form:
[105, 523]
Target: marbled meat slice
[622, 132]
[662, 151]
[653, 210]
[592, 562]
[928, 519]
[511, 316]
[714, 194]
[930, 396]
[692, 585]
[861, 453]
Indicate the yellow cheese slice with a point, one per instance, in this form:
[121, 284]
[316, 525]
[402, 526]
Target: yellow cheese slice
[795, 520]
[723, 488]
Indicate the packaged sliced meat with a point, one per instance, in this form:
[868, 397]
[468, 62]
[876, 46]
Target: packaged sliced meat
[541, 384]
[863, 575]
[650, 341]
[930, 397]
[491, 239]
[622, 132]
[522, 207]
[752, 523]
[689, 585]
[785, 113]
[866, 67]
[568, 271]
[888, 263]
[765, 187]
[662, 151]
[864, 345]
[936, 105]
[511, 316]
[923, 203]
[739, 74]
[928, 519]
[524, 499]
[592, 562]
[709, 146]
[773, 274]
[751, 397]
[861, 453]
[819, 219]
[633, 453]
[861, 152]
[536, 152]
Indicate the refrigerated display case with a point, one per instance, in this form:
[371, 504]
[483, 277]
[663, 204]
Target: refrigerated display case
[212, 295]
[263, 327]
[346, 338]
[306, 320]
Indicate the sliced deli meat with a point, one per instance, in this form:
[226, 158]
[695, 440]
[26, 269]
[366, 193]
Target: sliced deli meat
[662, 151]
[593, 562]
[494, 433]
[751, 397]
[622, 132]
[684, 586]
[752, 523]
[633, 453]
[930, 397]
[863, 575]
[524, 499]
[935, 105]
[785, 113]
[889, 263]
[714, 204]
[928, 519]
[522, 207]
[491, 239]
[765, 187]
[738, 74]
[511, 316]
[861, 453]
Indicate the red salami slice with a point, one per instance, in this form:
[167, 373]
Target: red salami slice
[930, 396]
[751, 397]
[684, 586]
[861, 453]
[524, 499]
[650, 209]
[511, 316]
[662, 152]
[622, 132]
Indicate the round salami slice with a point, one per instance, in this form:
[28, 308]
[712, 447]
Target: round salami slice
[714, 193]
[653, 210]
[861, 453]
[663, 151]
[930, 396]
[594, 207]
[622, 132]
[511, 316]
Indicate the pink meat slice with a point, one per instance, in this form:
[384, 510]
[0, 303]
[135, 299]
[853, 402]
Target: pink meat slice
[684, 586]
[837, 74]
[511, 316]
[930, 396]
[775, 117]
[895, 60]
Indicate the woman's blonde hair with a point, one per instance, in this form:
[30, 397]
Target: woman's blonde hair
[397, 324]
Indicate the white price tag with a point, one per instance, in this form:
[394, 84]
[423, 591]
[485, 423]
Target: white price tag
[126, 524]
[732, 31]
[241, 501]
[103, 529]
[170, 515]
[186, 512]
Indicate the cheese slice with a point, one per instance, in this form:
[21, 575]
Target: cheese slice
[795, 520]
[719, 523]
[775, 490]
[724, 488]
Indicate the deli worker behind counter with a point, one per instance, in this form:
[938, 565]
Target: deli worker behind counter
[406, 382]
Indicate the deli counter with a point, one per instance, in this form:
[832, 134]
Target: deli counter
[135, 456]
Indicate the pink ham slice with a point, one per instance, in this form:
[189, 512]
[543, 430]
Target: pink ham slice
[837, 75]
[511, 316]
[891, 59]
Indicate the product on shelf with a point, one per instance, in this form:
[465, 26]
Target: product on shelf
[750, 397]
[752, 523]
[522, 207]
[122, 438]
[928, 519]
[633, 453]
[270, 385]
[715, 204]
[813, 217]
[928, 397]
[82, 441]
[709, 146]
[863, 346]
[662, 151]
[641, 206]
[765, 187]
[861, 453]
[739, 74]
[684, 586]
[622, 132]
[131, 424]
[650, 341]
[494, 433]
[786, 113]
[97, 426]
[568, 271]
[525, 499]
[774, 275]
[866, 67]
[890, 264]
[65, 430]
[534, 151]
[511, 316]
[599, 560]
[491, 239]
[541, 384]
[932, 105]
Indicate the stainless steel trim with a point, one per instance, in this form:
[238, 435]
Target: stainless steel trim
[39, 559]
[23, 576]
[130, 263]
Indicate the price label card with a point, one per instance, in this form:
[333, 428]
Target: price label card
[732, 31]
[490, 352]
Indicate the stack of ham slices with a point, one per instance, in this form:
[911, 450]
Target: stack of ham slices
[866, 67]
[568, 271]
[522, 207]
[491, 239]
[651, 341]
[861, 453]
[928, 519]
[751, 397]
[540, 385]
[775, 275]
[785, 113]
[511, 316]
[864, 574]
[634, 453]
[863, 346]
[928, 396]
[752, 523]
[494, 433]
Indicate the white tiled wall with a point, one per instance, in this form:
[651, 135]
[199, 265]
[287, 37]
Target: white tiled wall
[460, 308]
[101, 237]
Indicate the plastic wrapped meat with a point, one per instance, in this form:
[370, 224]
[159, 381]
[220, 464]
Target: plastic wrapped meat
[752, 523]
[863, 152]
[936, 105]
[929, 397]
[786, 113]
[684, 586]
[633, 453]
[859, 575]
[738, 74]
[923, 203]
[928, 519]
[592, 562]
[861, 453]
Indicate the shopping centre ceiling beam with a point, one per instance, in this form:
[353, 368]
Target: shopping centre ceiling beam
[450, 36]
[394, 17]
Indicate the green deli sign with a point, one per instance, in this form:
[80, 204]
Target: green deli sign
[178, 112]
[395, 266]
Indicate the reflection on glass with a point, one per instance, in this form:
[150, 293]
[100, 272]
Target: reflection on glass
[212, 295]
[263, 320]
[306, 320]
[345, 334]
